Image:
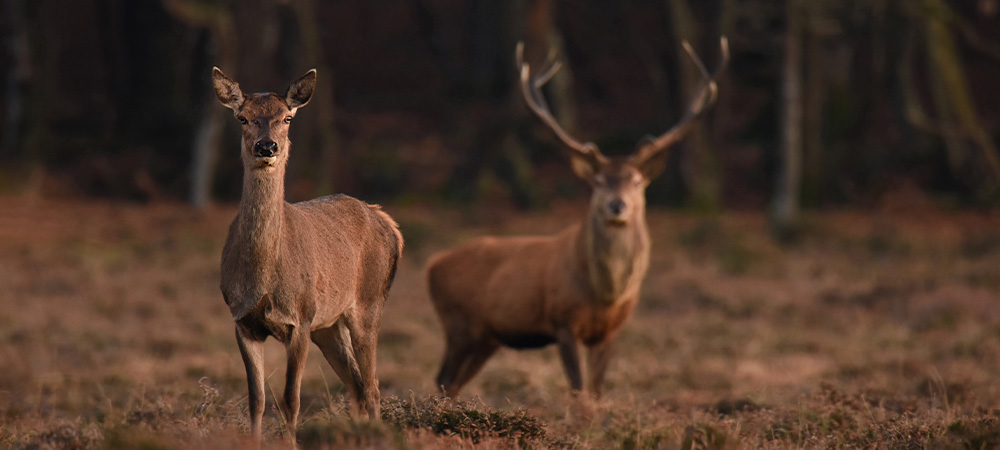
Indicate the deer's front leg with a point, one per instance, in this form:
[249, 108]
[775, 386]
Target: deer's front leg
[597, 364]
[297, 349]
[252, 350]
[569, 352]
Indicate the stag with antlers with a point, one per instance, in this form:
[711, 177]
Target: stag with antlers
[576, 288]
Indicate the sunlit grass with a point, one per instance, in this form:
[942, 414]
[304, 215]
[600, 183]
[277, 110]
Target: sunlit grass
[866, 331]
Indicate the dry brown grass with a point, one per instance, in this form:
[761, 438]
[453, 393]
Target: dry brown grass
[870, 331]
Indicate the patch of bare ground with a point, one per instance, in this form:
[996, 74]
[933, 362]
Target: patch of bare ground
[869, 330]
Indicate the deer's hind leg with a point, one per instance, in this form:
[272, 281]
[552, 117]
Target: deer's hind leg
[455, 355]
[363, 325]
[466, 351]
[465, 355]
[335, 343]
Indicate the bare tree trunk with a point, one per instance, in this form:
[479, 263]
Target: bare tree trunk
[218, 21]
[785, 204]
[813, 100]
[541, 36]
[542, 29]
[326, 131]
[17, 75]
[702, 172]
[207, 139]
[902, 93]
[963, 132]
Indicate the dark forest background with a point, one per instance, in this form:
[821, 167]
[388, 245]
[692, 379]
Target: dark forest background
[826, 103]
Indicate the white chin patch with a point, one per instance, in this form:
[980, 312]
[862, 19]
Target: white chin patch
[265, 161]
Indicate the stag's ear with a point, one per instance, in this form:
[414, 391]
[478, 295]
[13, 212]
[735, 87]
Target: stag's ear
[650, 163]
[652, 167]
[227, 90]
[301, 90]
[588, 162]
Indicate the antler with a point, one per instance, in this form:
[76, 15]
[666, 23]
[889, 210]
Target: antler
[706, 98]
[531, 88]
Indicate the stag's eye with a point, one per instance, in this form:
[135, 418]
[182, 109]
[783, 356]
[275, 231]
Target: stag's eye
[288, 119]
[242, 119]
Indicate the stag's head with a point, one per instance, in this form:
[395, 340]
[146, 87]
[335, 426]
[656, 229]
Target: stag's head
[265, 117]
[619, 182]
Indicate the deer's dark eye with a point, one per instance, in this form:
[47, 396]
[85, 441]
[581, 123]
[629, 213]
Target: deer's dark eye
[242, 119]
[288, 119]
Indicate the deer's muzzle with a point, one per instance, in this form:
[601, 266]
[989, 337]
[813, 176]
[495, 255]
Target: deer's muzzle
[616, 211]
[265, 148]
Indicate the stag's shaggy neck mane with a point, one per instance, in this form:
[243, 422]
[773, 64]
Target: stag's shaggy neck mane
[616, 256]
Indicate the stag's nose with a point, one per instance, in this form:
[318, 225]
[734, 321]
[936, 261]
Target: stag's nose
[265, 148]
[616, 206]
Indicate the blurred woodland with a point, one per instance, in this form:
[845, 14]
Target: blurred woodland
[825, 103]
[869, 127]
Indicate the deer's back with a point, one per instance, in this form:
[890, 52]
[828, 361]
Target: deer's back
[508, 285]
[351, 244]
[331, 252]
[344, 224]
[520, 290]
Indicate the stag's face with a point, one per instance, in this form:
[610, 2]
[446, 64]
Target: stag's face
[265, 118]
[619, 183]
[619, 195]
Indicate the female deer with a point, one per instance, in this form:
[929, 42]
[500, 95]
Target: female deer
[318, 270]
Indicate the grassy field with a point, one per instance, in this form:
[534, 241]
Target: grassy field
[872, 330]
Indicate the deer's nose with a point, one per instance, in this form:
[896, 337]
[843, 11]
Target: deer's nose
[616, 206]
[265, 148]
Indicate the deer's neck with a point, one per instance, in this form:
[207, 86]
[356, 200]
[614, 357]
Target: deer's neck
[262, 213]
[616, 257]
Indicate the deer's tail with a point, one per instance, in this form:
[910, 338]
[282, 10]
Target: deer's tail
[397, 236]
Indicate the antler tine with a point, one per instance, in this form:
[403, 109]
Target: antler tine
[694, 57]
[531, 90]
[553, 66]
[547, 74]
[705, 98]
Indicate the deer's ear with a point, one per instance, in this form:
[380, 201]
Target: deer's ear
[227, 90]
[301, 90]
[650, 163]
[587, 163]
[654, 166]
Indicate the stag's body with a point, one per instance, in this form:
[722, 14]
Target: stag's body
[318, 270]
[576, 288]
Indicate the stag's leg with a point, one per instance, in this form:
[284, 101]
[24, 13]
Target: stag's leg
[363, 327]
[569, 352]
[297, 350]
[597, 364]
[474, 357]
[335, 343]
[456, 351]
[252, 350]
